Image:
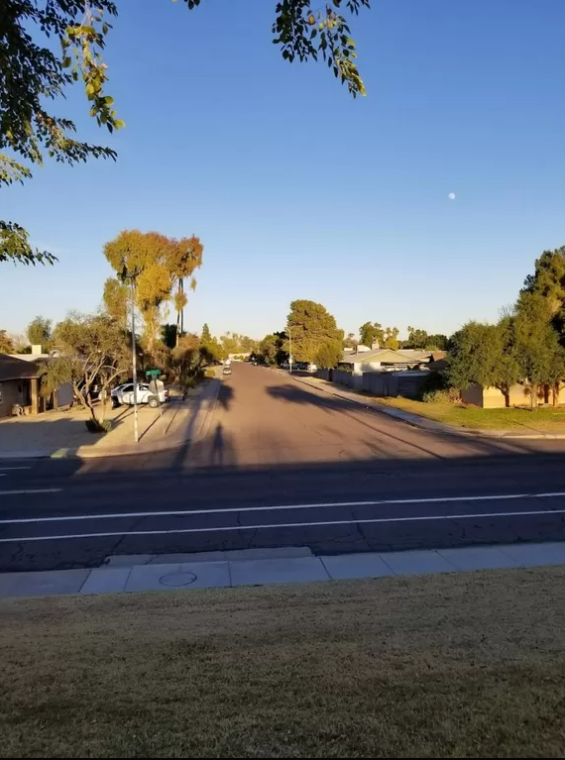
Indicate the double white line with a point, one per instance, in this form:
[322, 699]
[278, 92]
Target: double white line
[288, 507]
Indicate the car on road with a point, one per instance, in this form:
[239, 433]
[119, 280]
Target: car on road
[145, 395]
[226, 370]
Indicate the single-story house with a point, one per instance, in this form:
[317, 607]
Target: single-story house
[20, 382]
[382, 360]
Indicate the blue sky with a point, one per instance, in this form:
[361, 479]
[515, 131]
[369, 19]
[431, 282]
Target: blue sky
[299, 191]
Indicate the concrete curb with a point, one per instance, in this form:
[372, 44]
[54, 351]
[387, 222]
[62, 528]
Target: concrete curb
[258, 567]
[425, 424]
[209, 397]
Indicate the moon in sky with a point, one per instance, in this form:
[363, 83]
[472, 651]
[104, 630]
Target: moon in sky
[451, 196]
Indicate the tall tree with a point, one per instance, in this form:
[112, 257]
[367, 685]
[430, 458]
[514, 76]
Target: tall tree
[311, 326]
[370, 333]
[35, 71]
[7, 345]
[540, 356]
[39, 332]
[483, 354]
[185, 256]
[117, 299]
[417, 338]
[329, 354]
[143, 258]
[391, 338]
[206, 336]
[268, 349]
[350, 341]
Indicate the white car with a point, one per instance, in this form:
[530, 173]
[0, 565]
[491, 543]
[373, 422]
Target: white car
[123, 394]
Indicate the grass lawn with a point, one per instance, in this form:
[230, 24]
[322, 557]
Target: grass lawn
[543, 419]
[437, 666]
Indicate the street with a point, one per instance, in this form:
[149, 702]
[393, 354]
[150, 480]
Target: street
[282, 464]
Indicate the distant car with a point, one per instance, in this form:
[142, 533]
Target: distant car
[226, 370]
[145, 395]
[285, 365]
[311, 368]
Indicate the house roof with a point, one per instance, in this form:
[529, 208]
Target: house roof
[386, 355]
[16, 369]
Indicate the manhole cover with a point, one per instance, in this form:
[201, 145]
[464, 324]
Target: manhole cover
[177, 579]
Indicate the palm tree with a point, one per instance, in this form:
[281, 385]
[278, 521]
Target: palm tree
[184, 258]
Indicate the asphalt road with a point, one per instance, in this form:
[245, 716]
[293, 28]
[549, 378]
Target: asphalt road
[281, 464]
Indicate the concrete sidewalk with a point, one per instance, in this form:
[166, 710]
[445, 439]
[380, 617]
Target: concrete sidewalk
[414, 419]
[254, 567]
[54, 436]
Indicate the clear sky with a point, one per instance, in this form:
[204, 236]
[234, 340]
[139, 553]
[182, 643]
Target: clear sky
[299, 191]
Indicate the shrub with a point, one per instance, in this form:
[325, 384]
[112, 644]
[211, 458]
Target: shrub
[93, 426]
[436, 389]
[444, 396]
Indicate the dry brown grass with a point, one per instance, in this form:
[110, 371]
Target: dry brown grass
[454, 665]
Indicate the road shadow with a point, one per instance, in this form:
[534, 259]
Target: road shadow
[292, 394]
[225, 397]
[222, 453]
[48, 435]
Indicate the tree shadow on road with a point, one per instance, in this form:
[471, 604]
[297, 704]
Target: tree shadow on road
[295, 395]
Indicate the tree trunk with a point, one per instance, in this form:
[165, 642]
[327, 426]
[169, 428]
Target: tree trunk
[177, 333]
[555, 395]
[181, 290]
[534, 395]
[506, 393]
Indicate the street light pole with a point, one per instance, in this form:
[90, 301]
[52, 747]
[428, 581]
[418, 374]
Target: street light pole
[134, 363]
[289, 349]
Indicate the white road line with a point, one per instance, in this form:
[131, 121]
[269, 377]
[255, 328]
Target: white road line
[219, 529]
[30, 490]
[227, 510]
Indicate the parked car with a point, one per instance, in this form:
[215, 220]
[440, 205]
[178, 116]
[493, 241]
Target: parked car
[145, 395]
[311, 368]
[226, 370]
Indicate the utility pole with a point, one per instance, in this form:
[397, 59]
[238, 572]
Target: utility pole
[134, 362]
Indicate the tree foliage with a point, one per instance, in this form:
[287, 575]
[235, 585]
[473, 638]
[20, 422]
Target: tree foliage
[7, 345]
[144, 258]
[477, 355]
[420, 339]
[46, 46]
[39, 332]
[34, 72]
[311, 326]
[538, 351]
[329, 354]
[350, 341]
[234, 343]
[268, 349]
[116, 299]
[94, 351]
[370, 333]
[184, 258]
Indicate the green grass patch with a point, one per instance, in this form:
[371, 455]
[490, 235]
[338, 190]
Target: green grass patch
[463, 665]
[519, 419]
